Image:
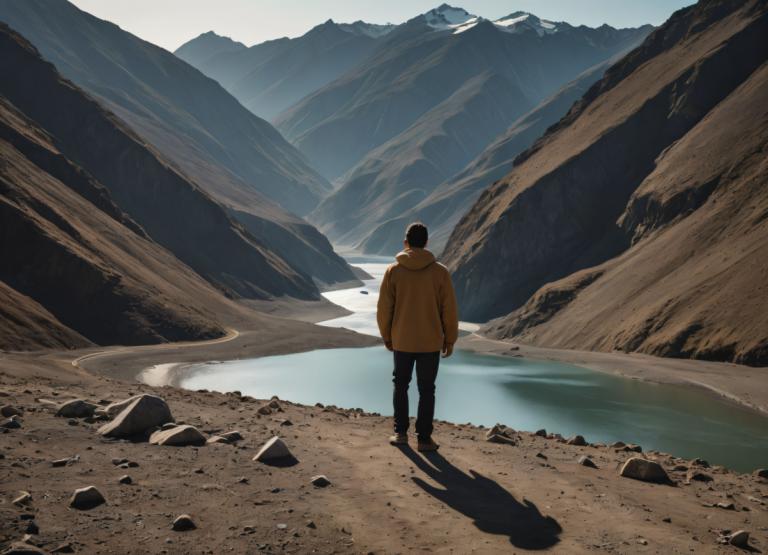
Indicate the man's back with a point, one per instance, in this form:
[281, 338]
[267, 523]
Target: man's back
[417, 305]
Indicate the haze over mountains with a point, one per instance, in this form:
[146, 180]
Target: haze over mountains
[396, 128]
[640, 221]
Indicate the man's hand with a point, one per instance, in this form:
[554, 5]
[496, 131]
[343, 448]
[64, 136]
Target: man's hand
[447, 349]
[388, 345]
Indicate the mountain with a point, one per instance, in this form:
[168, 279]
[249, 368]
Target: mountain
[219, 145]
[67, 246]
[442, 209]
[429, 101]
[204, 47]
[269, 77]
[639, 222]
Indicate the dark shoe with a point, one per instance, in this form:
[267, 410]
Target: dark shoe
[398, 439]
[427, 445]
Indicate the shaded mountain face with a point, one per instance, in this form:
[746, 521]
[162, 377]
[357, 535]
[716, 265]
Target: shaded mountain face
[188, 117]
[233, 155]
[426, 104]
[159, 203]
[204, 47]
[270, 77]
[76, 269]
[442, 209]
[639, 221]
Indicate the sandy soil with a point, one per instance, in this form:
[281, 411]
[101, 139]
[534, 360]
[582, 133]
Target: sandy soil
[472, 497]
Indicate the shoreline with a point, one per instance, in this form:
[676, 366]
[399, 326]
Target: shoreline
[744, 386]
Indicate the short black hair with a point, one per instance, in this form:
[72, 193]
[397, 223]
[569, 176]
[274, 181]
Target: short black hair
[417, 235]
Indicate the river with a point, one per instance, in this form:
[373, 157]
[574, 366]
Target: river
[520, 393]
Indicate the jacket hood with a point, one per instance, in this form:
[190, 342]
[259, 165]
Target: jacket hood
[415, 259]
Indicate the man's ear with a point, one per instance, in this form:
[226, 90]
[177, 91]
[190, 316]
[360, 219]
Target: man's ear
[405, 243]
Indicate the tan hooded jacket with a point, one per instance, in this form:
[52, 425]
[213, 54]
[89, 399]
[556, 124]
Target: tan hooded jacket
[417, 305]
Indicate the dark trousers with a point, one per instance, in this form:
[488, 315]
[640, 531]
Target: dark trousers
[426, 373]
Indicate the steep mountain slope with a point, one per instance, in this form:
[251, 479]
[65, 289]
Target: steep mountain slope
[75, 268]
[442, 209]
[480, 76]
[639, 221]
[218, 144]
[188, 117]
[422, 64]
[269, 78]
[170, 210]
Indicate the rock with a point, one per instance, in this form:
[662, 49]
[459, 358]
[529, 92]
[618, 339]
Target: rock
[117, 461]
[275, 451]
[178, 436]
[22, 548]
[264, 409]
[12, 423]
[498, 438]
[320, 481]
[168, 425]
[144, 413]
[740, 538]
[86, 498]
[227, 437]
[541, 433]
[125, 479]
[762, 473]
[644, 470]
[64, 548]
[311, 524]
[286, 422]
[577, 440]
[633, 447]
[700, 462]
[32, 527]
[77, 408]
[9, 410]
[726, 506]
[618, 445]
[697, 476]
[65, 462]
[586, 461]
[541, 456]
[183, 523]
[24, 499]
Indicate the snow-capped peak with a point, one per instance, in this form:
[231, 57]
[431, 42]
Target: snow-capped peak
[446, 17]
[520, 21]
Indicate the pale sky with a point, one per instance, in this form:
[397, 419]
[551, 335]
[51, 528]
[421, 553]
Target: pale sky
[170, 23]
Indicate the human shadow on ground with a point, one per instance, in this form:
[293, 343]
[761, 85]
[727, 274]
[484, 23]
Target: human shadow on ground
[492, 508]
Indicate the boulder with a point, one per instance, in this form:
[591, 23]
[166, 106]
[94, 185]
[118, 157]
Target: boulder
[23, 548]
[740, 538]
[76, 408]
[9, 410]
[227, 438]
[276, 452]
[142, 414]
[577, 440]
[541, 433]
[498, 438]
[24, 499]
[644, 470]
[183, 523]
[586, 461]
[320, 481]
[697, 476]
[125, 479]
[762, 473]
[264, 409]
[178, 436]
[275, 405]
[86, 498]
[11, 423]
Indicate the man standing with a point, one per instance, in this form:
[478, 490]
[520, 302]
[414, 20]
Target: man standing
[417, 319]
